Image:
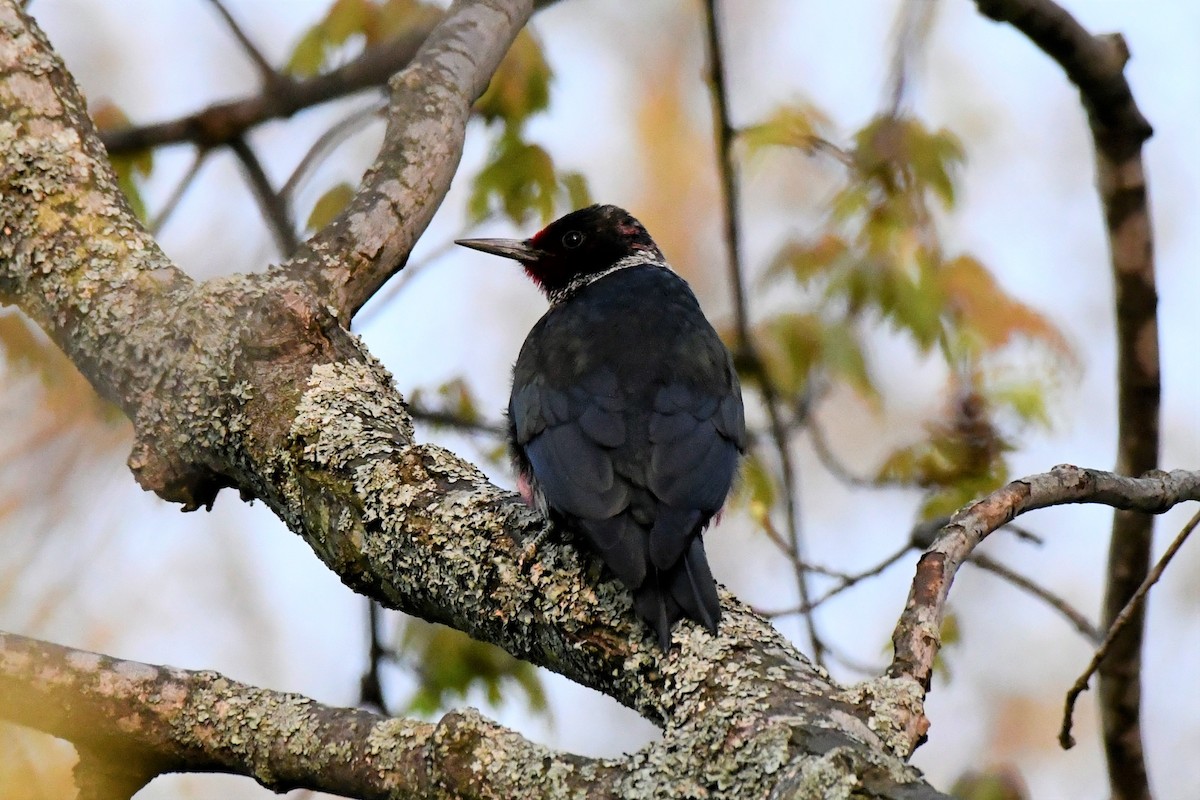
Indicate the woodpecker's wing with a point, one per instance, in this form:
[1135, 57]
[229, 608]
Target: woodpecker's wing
[696, 435]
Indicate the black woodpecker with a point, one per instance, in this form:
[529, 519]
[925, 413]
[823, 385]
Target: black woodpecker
[625, 421]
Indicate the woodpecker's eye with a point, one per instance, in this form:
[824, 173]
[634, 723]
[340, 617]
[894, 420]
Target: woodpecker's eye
[572, 239]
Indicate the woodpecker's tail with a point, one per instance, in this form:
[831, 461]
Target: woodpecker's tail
[687, 589]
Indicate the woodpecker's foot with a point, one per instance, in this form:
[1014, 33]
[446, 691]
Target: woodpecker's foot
[529, 551]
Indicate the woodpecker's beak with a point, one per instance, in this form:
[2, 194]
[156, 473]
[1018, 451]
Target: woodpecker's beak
[508, 248]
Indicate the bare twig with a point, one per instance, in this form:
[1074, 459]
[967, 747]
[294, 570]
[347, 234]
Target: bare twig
[448, 419]
[337, 133]
[744, 349]
[1095, 64]
[270, 77]
[831, 463]
[224, 122]
[1122, 619]
[1069, 612]
[160, 219]
[913, 23]
[370, 688]
[274, 206]
[845, 581]
[917, 636]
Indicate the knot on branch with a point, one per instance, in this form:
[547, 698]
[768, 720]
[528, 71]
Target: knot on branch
[225, 371]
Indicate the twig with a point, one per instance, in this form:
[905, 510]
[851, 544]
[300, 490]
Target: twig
[337, 133]
[917, 636]
[1134, 606]
[160, 219]
[1095, 64]
[399, 282]
[223, 123]
[912, 22]
[1071, 614]
[450, 420]
[831, 463]
[270, 77]
[370, 688]
[1024, 534]
[744, 346]
[274, 206]
[845, 581]
[729, 186]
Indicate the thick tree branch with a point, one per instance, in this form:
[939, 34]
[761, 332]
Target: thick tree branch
[249, 381]
[917, 637]
[1095, 64]
[151, 720]
[346, 262]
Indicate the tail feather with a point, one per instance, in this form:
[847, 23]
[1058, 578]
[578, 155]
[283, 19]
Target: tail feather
[693, 587]
[657, 608]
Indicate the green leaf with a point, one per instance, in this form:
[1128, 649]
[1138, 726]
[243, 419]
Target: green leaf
[129, 187]
[842, 354]
[459, 400]
[1027, 400]
[519, 180]
[129, 167]
[996, 783]
[398, 17]
[347, 18]
[805, 261]
[329, 205]
[796, 126]
[757, 488]
[308, 56]
[521, 85]
[951, 498]
[790, 345]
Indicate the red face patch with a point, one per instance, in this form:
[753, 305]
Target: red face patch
[629, 228]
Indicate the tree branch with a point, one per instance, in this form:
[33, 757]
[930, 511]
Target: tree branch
[351, 258]
[222, 123]
[745, 352]
[918, 634]
[1064, 737]
[274, 205]
[150, 720]
[266, 72]
[249, 381]
[1095, 64]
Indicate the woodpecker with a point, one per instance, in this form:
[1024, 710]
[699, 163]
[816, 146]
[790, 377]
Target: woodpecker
[625, 421]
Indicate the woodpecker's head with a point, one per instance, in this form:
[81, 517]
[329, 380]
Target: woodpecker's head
[577, 249]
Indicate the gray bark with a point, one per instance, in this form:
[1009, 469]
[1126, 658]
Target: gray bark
[253, 382]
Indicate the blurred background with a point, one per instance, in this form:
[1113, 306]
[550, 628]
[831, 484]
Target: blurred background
[90, 561]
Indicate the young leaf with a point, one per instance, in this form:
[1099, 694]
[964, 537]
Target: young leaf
[797, 126]
[308, 56]
[521, 85]
[328, 206]
[519, 178]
